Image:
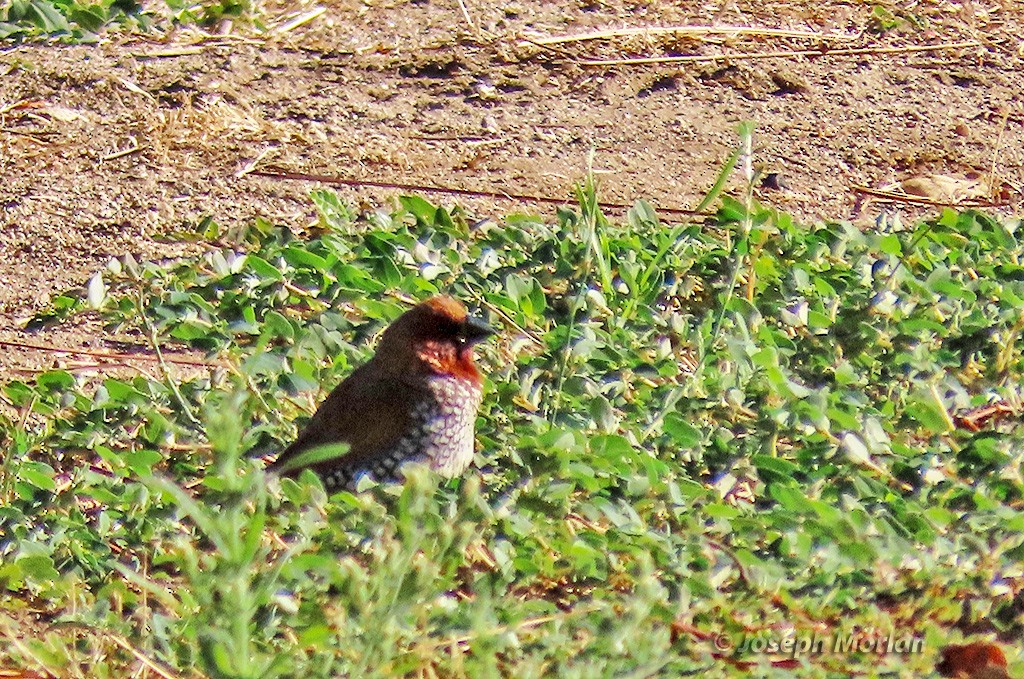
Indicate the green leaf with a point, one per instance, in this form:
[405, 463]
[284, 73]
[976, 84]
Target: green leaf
[263, 268]
[55, 380]
[304, 259]
[333, 213]
[776, 465]
[121, 393]
[141, 462]
[682, 432]
[929, 414]
[38, 568]
[276, 325]
[39, 475]
[790, 497]
[313, 456]
[421, 209]
[890, 245]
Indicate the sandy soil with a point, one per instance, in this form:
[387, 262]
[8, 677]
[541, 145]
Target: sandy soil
[123, 146]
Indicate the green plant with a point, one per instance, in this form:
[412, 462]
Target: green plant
[690, 432]
[77, 21]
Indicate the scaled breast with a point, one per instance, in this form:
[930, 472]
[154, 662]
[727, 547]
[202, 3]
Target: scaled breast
[441, 434]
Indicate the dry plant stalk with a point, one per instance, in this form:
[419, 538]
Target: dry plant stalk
[611, 34]
[782, 54]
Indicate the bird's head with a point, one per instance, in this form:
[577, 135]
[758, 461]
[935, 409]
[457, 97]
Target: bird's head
[436, 336]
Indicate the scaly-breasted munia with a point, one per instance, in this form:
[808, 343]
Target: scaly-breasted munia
[416, 400]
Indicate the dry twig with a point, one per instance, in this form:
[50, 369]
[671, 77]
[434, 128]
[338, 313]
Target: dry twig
[112, 355]
[610, 34]
[141, 657]
[896, 197]
[493, 195]
[303, 18]
[783, 54]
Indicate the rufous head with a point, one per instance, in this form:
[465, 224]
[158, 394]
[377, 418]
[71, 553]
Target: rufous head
[435, 336]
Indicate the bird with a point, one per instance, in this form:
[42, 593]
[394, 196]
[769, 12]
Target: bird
[977, 660]
[415, 400]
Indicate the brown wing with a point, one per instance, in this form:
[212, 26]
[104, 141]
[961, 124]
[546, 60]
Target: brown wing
[369, 410]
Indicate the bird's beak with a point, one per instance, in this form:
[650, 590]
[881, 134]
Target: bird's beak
[477, 330]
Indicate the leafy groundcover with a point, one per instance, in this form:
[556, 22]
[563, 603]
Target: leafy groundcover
[732, 445]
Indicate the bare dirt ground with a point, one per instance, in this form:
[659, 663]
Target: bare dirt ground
[120, 147]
